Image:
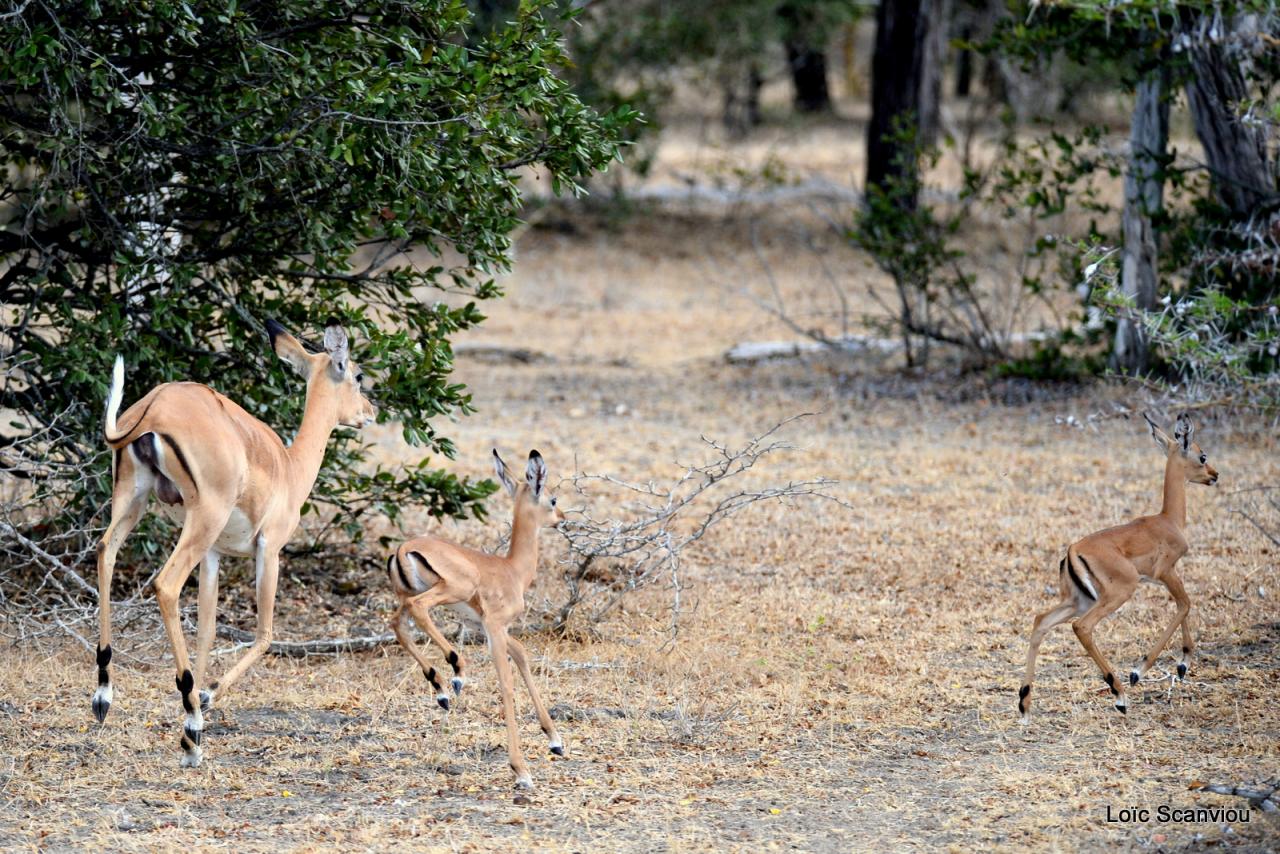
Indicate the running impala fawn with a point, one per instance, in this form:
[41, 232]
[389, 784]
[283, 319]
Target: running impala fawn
[1101, 571]
[484, 588]
[235, 488]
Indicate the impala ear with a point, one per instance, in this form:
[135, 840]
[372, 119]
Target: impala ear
[335, 344]
[1182, 431]
[1163, 442]
[535, 474]
[288, 348]
[500, 468]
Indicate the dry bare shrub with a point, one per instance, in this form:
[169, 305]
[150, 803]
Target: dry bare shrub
[610, 557]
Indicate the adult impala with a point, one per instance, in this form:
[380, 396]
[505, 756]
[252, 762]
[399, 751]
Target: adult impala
[485, 589]
[1101, 571]
[235, 488]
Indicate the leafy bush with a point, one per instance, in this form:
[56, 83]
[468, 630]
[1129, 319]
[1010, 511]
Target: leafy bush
[177, 173]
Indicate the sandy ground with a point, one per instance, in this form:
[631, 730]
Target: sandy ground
[843, 678]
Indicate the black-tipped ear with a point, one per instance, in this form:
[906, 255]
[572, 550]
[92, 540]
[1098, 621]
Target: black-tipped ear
[500, 468]
[1183, 431]
[1162, 440]
[274, 329]
[535, 474]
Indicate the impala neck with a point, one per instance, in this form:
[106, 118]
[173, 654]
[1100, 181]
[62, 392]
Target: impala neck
[307, 451]
[523, 550]
[1175, 492]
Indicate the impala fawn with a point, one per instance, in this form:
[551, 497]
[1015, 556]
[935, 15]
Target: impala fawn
[1101, 571]
[483, 588]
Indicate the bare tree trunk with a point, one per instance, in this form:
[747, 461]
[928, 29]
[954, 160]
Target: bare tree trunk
[742, 105]
[1143, 200]
[897, 74]
[809, 76]
[806, 56]
[1236, 152]
[936, 47]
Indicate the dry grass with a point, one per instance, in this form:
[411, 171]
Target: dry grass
[843, 680]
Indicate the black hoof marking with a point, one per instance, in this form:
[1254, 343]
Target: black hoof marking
[431, 677]
[104, 659]
[193, 735]
[1186, 650]
[1121, 709]
[452, 658]
[1182, 670]
[206, 702]
[1133, 677]
[186, 684]
[1111, 683]
[100, 709]
[1022, 699]
[444, 702]
[558, 750]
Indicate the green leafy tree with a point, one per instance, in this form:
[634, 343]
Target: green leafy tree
[175, 173]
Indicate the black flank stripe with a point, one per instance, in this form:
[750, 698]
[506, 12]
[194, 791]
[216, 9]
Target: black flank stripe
[391, 563]
[115, 471]
[182, 458]
[1071, 570]
[404, 579]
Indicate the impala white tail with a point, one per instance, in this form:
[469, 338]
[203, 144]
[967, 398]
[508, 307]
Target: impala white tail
[115, 396]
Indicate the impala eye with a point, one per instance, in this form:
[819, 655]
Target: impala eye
[553, 502]
[1203, 459]
[360, 378]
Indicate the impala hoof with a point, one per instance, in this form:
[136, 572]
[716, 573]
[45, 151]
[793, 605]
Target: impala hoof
[102, 702]
[524, 783]
[557, 747]
[1122, 706]
[192, 758]
[457, 684]
[1182, 670]
[206, 701]
[443, 701]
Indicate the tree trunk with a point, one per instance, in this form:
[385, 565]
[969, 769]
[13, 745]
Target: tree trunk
[806, 56]
[742, 102]
[897, 72]
[1143, 199]
[809, 76]
[935, 60]
[964, 64]
[1236, 152]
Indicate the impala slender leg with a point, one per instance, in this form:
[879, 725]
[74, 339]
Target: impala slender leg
[268, 559]
[1188, 647]
[128, 500]
[207, 616]
[420, 607]
[1055, 616]
[1174, 584]
[428, 669]
[198, 533]
[501, 663]
[555, 744]
[1084, 632]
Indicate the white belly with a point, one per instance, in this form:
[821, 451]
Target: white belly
[237, 536]
[466, 613]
